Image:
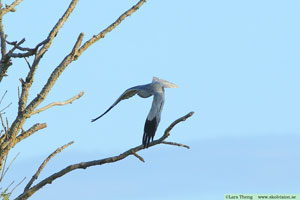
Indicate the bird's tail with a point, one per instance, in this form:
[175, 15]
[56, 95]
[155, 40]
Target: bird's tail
[149, 131]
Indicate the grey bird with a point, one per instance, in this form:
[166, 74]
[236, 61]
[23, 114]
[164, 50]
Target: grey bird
[156, 88]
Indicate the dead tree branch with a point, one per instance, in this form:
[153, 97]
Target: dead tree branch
[57, 27]
[46, 44]
[83, 165]
[58, 103]
[175, 144]
[28, 51]
[36, 175]
[138, 156]
[102, 34]
[24, 110]
[15, 133]
[8, 144]
[30, 131]
[15, 47]
[5, 59]
[11, 7]
[52, 79]
[31, 50]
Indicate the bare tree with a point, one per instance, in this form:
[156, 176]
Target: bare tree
[12, 134]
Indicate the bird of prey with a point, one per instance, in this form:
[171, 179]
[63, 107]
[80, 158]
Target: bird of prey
[156, 88]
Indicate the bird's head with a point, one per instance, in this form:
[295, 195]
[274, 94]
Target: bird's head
[166, 84]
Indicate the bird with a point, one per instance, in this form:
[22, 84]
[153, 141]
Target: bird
[155, 89]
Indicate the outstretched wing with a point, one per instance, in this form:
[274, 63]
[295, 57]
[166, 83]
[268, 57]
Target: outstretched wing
[153, 118]
[127, 94]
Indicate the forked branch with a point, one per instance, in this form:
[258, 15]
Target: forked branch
[83, 165]
[57, 27]
[11, 7]
[31, 131]
[7, 145]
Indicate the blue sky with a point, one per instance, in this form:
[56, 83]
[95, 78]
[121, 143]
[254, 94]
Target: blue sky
[236, 64]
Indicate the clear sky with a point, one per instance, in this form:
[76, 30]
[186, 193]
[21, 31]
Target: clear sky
[237, 66]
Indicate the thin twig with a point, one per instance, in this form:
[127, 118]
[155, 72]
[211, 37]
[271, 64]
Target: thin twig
[10, 193]
[18, 93]
[15, 47]
[58, 103]
[139, 157]
[167, 131]
[3, 96]
[35, 176]
[2, 122]
[75, 49]
[176, 144]
[7, 124]
[5, 60]
[26, 48]
[5, 191]
[6, 170]
[5, 107]
[28, 51]
[27, 63]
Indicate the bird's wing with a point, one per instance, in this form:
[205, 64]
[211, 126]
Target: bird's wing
[166, 84]
[153, 118]
[127, 94]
